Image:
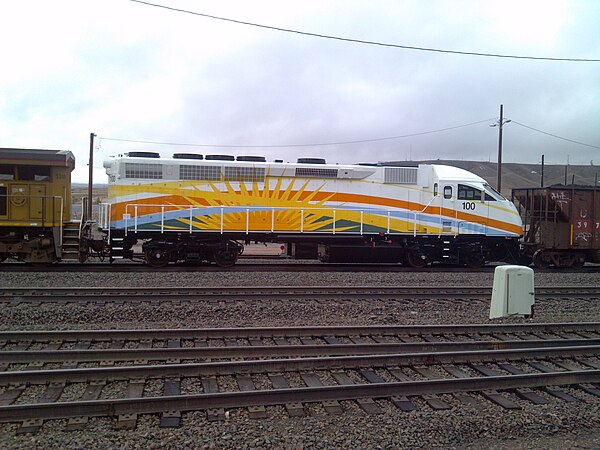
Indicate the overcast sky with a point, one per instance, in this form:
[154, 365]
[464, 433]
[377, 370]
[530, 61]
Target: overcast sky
[125, 70]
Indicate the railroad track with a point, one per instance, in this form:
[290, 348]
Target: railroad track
[32, 295]
[123, 373]
[265, 265]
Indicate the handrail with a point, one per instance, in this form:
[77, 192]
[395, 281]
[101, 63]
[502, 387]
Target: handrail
[415, 212]
[132, 209]
[44, 210]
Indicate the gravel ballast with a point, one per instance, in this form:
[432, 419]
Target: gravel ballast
[556, 424]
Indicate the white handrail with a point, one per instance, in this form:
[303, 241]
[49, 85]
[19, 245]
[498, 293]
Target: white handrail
[222, 210]
[415, 212]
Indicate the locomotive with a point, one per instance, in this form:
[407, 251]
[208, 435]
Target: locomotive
[197, 209]
[193, 208]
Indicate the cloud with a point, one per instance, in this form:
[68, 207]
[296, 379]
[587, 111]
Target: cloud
[126, 70]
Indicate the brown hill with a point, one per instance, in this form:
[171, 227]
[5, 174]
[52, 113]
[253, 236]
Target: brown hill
[515, 175]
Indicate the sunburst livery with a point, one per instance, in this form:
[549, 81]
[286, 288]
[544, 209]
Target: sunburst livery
[185, 207]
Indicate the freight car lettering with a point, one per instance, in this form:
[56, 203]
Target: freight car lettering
[583, 236]
[469, 206]
[583, 213]
[583, 224]
[560, 197]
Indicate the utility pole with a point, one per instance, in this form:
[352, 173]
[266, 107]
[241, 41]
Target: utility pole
[91, 177]
[499, 182]
[500, 124]
[542, 179]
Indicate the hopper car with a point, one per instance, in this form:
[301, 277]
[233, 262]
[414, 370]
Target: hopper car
[561, 225]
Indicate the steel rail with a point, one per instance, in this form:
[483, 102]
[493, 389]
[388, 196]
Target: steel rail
[145, 405]
[260, 292]
[310, 331]
[111, 294]
[287, 365]
[272, 351]
[276, 264]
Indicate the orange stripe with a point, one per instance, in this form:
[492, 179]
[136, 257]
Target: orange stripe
[119, 209]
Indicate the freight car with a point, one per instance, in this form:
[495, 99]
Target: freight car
[193, 208]
[561, 224]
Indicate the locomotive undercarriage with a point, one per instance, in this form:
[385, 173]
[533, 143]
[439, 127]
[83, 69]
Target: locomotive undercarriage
[466, 250]
[158, 252]
[34, 246]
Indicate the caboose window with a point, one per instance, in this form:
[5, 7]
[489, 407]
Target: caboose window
[7, 172]
[33, 173]
[143, 171]
[468, 193]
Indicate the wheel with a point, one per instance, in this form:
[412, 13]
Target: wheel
[226, 257]
[539, 261]
[578, 261]
[158, 257]
[473, 261]
[415, 258]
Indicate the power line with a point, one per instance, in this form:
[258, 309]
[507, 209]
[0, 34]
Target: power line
[361, 141]
[555, 136]
[360, 41]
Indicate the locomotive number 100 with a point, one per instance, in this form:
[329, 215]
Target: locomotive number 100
[469, 206]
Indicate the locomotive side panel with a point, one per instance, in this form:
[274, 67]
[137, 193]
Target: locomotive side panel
[281, 202]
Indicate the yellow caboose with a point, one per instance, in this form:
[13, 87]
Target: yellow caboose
[35, 203]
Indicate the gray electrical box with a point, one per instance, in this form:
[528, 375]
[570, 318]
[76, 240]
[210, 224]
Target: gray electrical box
[513, 293]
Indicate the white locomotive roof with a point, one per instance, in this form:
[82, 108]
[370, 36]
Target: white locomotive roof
[450, 173]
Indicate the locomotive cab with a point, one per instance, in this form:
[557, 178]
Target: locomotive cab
[35, 203]
[476, 222]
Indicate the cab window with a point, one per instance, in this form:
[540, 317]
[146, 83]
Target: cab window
[447, 191]
[468, 193]
[496, 195]
[3, 200]
[7, 172]
[34, 173]
[435, 189]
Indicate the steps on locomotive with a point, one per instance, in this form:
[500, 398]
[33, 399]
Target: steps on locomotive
[448, 252]
[70, 241]
[117, 249]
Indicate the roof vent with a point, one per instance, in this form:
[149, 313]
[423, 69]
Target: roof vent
[142, 155]
[187, 156]
[252, 158]
[311, 161]
[220, 158]
[278, 160]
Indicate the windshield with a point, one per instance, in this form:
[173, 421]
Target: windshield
[491, 189]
